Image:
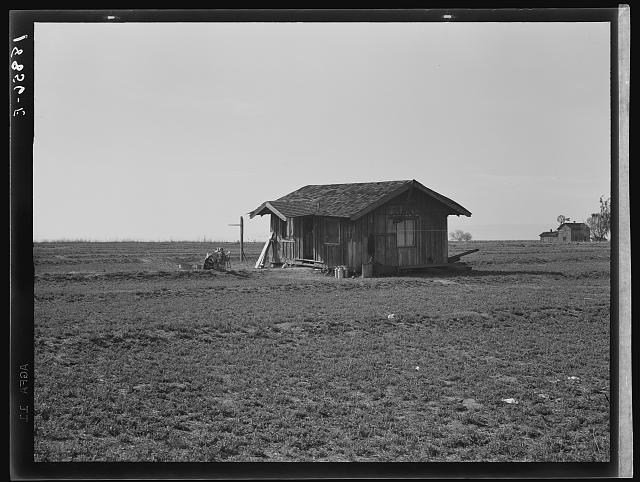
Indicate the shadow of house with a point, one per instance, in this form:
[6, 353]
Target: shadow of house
[395, 224]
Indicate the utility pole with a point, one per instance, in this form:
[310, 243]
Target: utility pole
[243, 257]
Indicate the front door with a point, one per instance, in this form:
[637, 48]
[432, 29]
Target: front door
[406, 241]
[385, 240]
[307, 237]
[386, 249]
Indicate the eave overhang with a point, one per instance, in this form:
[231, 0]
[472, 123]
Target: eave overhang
[266, 208]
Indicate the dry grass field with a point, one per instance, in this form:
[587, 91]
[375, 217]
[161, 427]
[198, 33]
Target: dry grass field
[139, 360]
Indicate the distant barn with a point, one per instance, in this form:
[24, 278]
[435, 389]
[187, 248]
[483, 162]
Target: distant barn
[397, 224]
[573, 232]
[567, 233]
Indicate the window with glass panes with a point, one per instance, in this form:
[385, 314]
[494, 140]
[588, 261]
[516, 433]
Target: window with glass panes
[405, 232]
[331, 231]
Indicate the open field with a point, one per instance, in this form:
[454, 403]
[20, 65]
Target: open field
[138, 360]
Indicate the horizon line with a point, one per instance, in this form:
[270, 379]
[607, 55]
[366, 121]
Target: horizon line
[127, 240]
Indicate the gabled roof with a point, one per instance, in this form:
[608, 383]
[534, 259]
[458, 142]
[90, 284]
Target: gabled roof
[573, 226]
[346, 200]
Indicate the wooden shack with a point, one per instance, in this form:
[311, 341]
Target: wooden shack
[394, 224]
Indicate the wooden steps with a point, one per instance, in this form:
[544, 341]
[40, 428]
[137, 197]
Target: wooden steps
[311, 263]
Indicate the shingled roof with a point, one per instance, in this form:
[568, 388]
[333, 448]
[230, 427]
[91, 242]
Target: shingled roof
[346, 200]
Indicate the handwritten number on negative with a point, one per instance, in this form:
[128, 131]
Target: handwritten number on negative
[18, 77]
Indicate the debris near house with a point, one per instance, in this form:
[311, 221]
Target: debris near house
[219, 260]
[456, 257]
[264, 253]
[191, 267]
[454, 264]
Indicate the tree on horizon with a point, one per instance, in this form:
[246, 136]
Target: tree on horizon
[600, 223]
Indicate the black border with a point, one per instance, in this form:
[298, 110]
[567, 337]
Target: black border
[21, 251]
[21, 248]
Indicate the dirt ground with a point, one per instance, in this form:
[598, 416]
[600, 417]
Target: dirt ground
[140, 358]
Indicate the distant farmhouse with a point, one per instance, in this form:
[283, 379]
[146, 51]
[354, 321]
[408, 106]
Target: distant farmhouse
[396, 224]
[567, 233]
[550, 236]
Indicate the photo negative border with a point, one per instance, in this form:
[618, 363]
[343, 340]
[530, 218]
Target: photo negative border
[22, 466]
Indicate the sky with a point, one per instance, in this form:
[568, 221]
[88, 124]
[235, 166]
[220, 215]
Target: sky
[172, 131]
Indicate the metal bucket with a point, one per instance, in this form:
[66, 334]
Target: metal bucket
[339, 272]
[367, 270]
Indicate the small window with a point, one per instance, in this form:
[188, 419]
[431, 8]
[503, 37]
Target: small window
[332, 231]
[289, 233]
[405, 231]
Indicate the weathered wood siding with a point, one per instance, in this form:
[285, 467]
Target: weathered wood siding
[285, 246]
[329, 253]
[430, 235]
